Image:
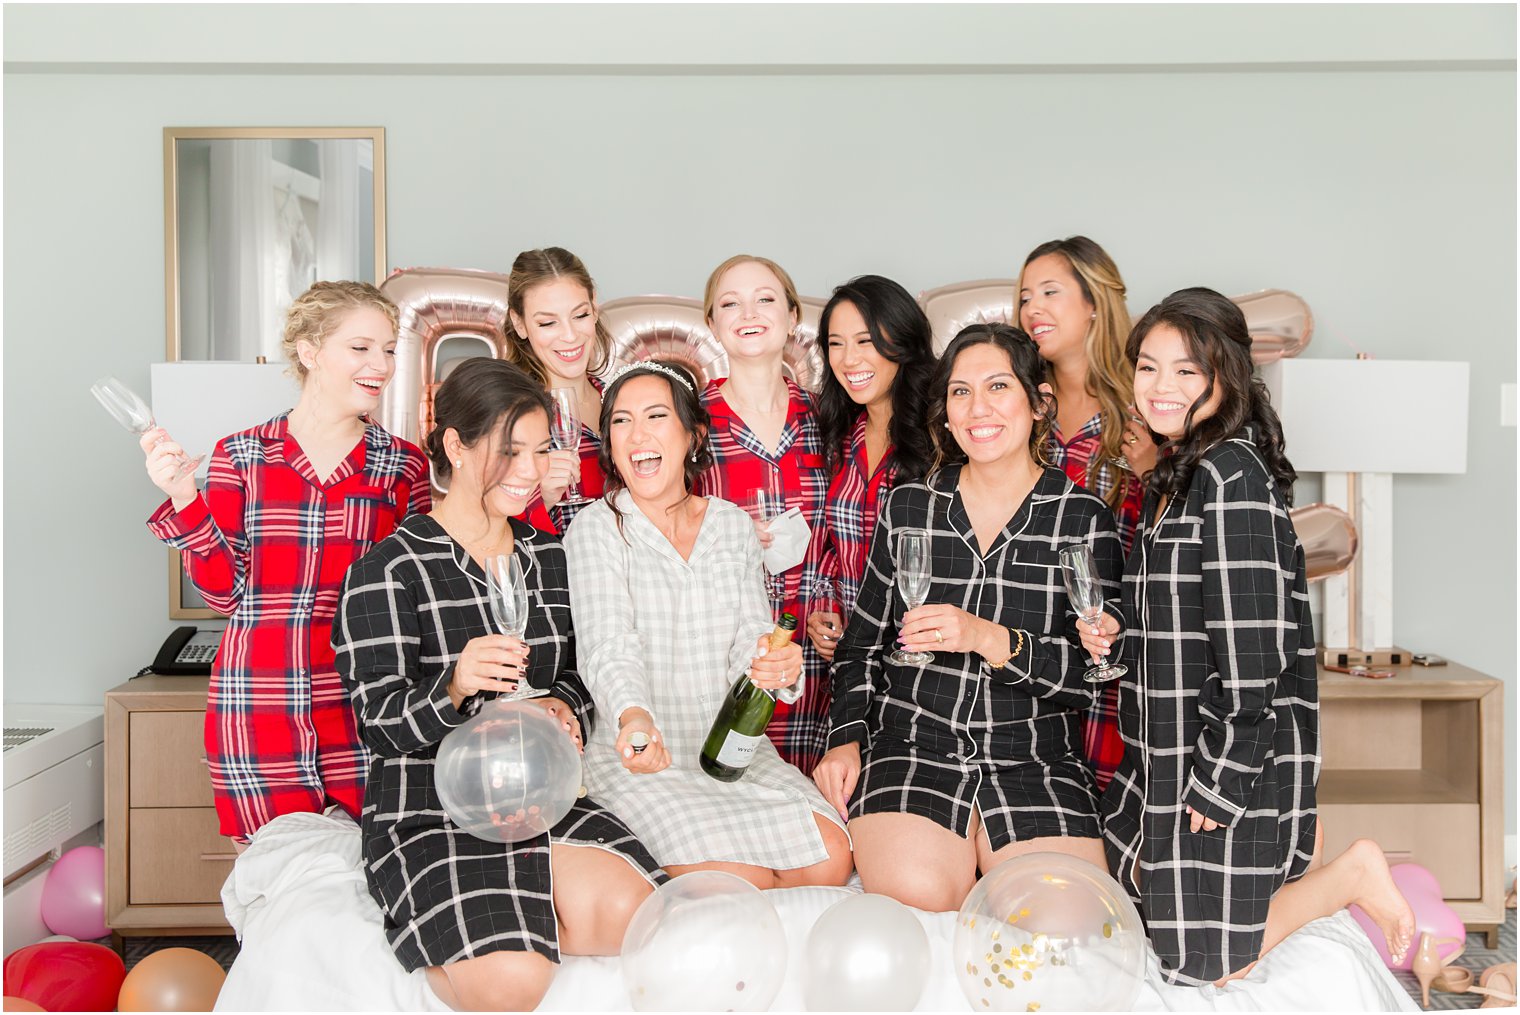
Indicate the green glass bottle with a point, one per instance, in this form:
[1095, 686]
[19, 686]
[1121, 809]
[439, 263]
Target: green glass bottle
[741, 722]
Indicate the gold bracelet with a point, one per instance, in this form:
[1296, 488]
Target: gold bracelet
[1012, 655]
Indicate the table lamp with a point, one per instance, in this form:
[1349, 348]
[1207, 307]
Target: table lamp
[1360, 421]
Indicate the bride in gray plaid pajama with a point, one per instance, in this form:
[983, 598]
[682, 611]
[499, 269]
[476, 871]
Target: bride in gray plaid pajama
[975, 757]
[1210, 819]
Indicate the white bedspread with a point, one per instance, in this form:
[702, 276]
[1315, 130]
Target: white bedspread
[312, 941]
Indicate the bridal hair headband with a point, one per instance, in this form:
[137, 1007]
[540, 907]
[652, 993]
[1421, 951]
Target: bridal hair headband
[654, 367]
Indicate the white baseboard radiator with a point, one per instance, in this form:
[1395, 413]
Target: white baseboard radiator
[54, 763]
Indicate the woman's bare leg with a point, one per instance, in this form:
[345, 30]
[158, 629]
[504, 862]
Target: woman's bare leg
[499, 981]
[914, 860]
[596, 893]
[1090, 850]
[834, 870]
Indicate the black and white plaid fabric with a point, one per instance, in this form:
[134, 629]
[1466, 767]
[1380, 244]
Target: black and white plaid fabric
[940, 739]
[1220, 712]
[409, 607]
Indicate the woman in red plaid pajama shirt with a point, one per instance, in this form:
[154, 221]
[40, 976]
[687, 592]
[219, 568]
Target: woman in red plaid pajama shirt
[764, 435]
[880, 350]
[288, 506]
[555, 334]
[1071, 302]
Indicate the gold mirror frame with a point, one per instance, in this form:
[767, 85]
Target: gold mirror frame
[183, 602]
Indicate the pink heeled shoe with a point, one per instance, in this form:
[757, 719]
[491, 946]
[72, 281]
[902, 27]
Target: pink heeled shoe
[1432, 970]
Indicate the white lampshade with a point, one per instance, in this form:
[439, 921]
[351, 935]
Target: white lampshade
[200, 403]
[1371, 415]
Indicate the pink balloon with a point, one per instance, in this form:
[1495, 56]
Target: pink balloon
[74, 894]
[1431, 915]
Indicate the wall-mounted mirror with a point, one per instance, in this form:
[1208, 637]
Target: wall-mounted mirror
[252, 217]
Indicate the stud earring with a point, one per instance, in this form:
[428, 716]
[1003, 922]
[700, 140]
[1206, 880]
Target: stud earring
[947, 426]
[1095, 315]
[458, 462]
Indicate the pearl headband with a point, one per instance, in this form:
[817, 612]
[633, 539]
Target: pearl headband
[650, 365]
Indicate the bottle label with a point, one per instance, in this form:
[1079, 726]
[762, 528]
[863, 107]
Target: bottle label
[738, 750]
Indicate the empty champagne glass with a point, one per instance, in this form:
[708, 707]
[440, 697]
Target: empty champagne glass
[764, 504]
[133, 414]
[508, 590]
[826, 600]
[565, 433]
[913, 579]
[1085, 591]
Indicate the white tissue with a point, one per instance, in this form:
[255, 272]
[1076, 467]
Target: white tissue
[789, 535]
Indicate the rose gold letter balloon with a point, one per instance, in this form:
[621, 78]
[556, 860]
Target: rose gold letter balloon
[1328, 538]
[172, 979]
[447, 314]
[952, 307]
[1279, 322]
[673, 328]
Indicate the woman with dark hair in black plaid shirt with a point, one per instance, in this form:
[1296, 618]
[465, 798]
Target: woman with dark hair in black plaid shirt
[975, 757]
[1210, 820]
[418, 651]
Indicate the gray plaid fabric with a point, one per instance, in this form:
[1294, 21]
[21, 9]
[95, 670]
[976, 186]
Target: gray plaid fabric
[1221, 712]
[671, 636]
[940, 739]
[409, 607]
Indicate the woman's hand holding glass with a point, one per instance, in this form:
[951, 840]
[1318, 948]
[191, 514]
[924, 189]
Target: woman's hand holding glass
[940, 627]
[1139, 450]
[836, 774]
[563, 473]
[654, 756]
[491, 662]
[1098, 639]
[824, 624]
[166, 467]
[775, 668]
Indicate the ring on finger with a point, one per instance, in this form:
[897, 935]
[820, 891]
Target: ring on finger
[939, 635]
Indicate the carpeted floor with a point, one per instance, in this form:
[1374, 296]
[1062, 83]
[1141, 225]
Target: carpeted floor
[1476, 957]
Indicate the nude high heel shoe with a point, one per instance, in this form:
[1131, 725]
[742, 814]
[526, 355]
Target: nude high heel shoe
[1430, 968]
[1498, 982]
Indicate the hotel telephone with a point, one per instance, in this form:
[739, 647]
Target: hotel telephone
[187, 652]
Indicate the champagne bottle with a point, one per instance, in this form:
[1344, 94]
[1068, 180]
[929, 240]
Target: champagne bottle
[741, 722]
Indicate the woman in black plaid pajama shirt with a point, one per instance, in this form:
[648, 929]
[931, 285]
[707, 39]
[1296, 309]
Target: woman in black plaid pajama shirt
[415, 646]
[1210, 820]
[976, 757]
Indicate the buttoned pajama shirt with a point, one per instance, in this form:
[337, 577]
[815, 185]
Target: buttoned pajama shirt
[267, 543]
[1220, 712]
[944, 738]
[409, 609]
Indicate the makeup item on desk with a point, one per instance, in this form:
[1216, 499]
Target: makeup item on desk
[1370, 672]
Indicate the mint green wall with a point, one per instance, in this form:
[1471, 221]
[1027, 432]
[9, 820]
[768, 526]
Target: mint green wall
[1370, 171]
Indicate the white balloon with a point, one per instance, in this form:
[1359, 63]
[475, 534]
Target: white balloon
[1046, 931]
[509, 773]
[865, 953]
[705, 941]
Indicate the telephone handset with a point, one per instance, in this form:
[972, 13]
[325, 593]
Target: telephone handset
[187, 652]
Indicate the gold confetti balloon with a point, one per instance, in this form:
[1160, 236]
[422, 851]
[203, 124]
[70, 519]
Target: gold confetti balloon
[1072, 938]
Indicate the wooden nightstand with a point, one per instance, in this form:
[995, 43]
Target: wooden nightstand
[1416, 762]
[165, 858]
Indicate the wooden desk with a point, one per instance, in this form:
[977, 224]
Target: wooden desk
[1416, 762]
[166, 860]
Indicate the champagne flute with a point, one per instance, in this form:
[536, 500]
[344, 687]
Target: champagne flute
[508, 590]
[826, 600]
[565, 433]
[764, 504]
[1085, 592]
[913, 579]
[135, 417]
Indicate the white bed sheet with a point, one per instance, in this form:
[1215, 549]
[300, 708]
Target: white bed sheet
[312, 940]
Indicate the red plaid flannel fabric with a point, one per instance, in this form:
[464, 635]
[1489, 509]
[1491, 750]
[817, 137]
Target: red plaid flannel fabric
[841, 546]
[1100, 725]
[800, 730]
[268, 544]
